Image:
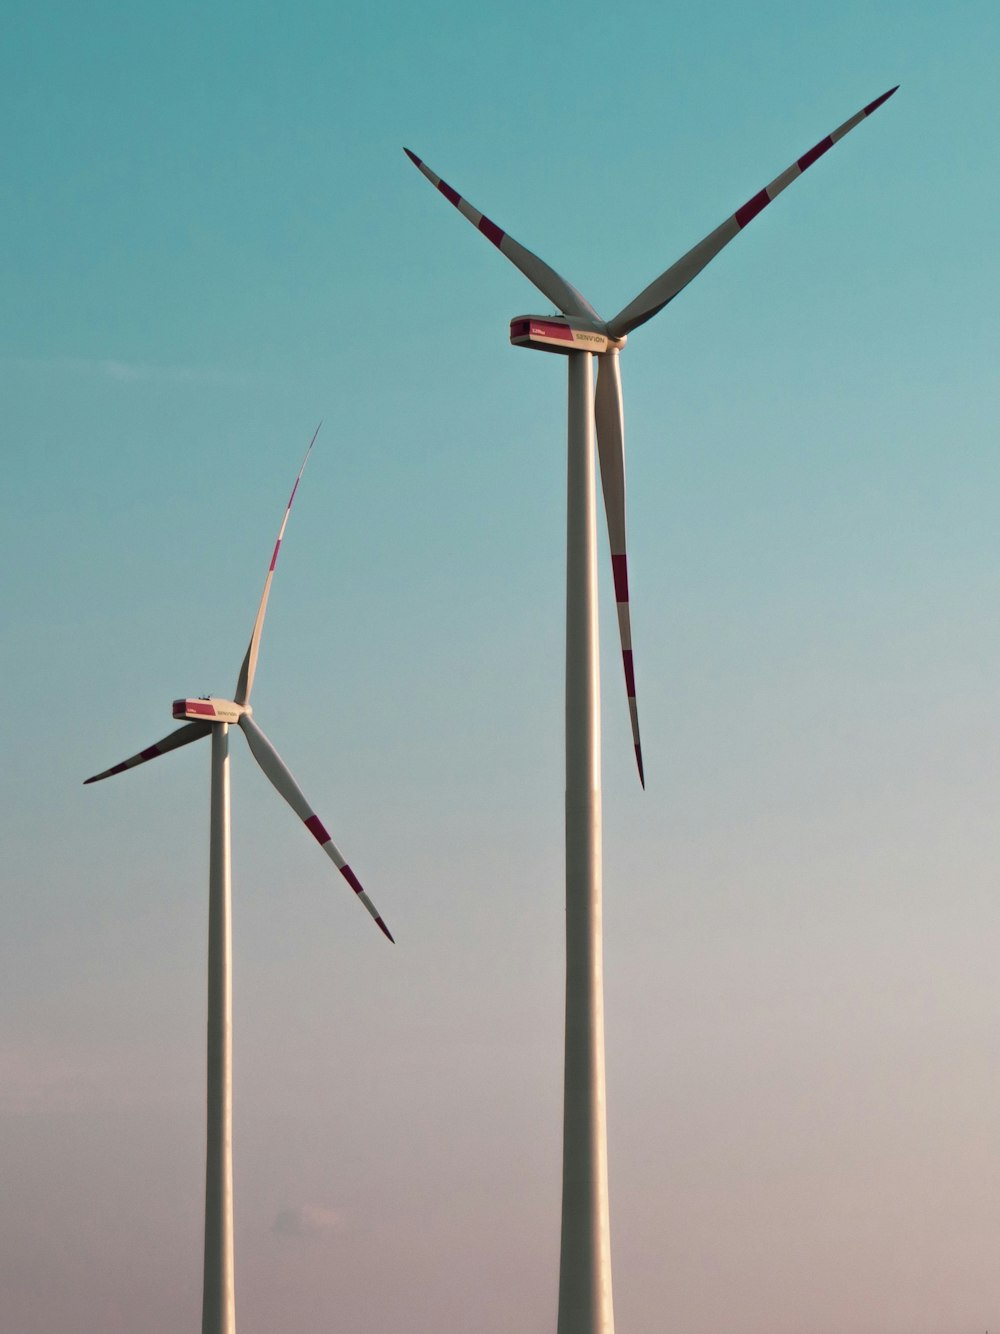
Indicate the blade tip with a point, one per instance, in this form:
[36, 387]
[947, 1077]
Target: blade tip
[874, 106]
[412, 156]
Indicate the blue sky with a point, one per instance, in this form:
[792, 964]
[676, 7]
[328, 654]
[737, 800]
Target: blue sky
[210, 240]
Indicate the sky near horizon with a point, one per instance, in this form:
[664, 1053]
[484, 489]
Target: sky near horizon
[210, 240]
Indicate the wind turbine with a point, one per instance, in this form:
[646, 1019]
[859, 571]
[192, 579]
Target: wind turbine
[205, 716]
[585, 1298]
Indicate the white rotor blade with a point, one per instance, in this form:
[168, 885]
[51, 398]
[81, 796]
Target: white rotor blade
[182, 737]
[565, 297]
[665, 288]
[277, 771]
[245, 684]
[609, 421]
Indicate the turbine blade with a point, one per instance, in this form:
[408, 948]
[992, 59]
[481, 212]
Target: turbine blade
[565, 297]
[609, 421]
[245, 683]
[182, 737]
[281, 779]
[665, 288]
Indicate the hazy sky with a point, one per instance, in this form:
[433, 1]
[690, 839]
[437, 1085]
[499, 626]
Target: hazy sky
[210, 239]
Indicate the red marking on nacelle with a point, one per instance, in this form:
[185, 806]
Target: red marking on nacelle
[183, 708]
[542, 329]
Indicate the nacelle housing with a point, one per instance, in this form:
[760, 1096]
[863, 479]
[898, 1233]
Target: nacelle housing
[209, 710]
[559, 333]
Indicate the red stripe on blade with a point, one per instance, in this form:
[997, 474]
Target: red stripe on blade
[315, 826]
[150, 753]
[807, 159]
[452, 196]
[382, 926]
[277, 547]
[490, 230]
[629, 673]
[352, 879]
[619, 566]
[751, 208]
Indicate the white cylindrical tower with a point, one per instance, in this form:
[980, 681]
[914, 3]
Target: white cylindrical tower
[585, 1305]
[218, 1311]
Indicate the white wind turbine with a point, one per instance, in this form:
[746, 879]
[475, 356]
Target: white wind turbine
[585, 1299]
[211, 715]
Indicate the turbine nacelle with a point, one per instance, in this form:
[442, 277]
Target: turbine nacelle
[208, 709]
[562, 333]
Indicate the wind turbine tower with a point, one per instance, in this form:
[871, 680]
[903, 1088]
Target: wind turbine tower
[209, 716]
[579, 333]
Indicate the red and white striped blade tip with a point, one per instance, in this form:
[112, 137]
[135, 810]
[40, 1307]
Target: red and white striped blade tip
[315, 827]
[662, 290]
[280, 777]
[608, 420]
[183, 736]
[873, 106]
[553, 285]
[248, 669]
